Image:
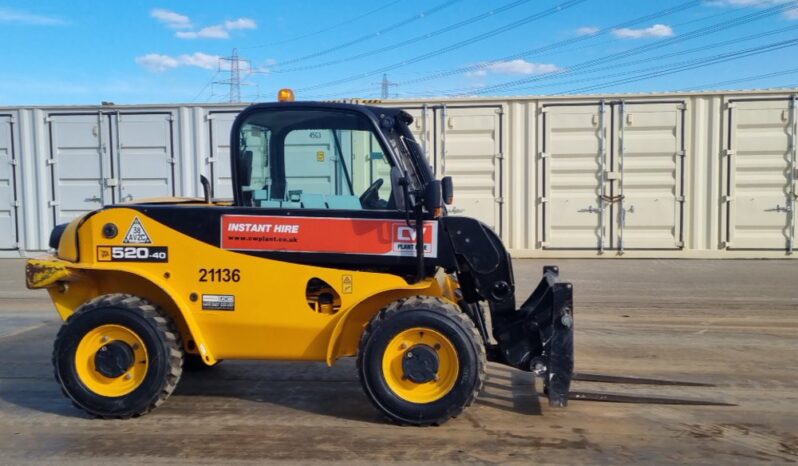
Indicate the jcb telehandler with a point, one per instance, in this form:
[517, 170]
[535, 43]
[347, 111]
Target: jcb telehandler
[336, 243]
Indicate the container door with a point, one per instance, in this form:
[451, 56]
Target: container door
[313, 165]
[217, 163]
[8, 195]
[646, 184]
[144, 155]
[468, 148]
[573, 189]
[760, 174]
[80, 165]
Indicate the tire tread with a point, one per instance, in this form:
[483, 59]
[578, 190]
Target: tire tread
[165, 328]
[449, 310]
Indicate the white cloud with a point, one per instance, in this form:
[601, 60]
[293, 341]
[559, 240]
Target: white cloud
[8, 15]
[587, 30]
[791, 13]
[517, 66]
[200, 60]
[240, 23]
[657, 30]
[218, 31]
[157, 62]
[174, 20]
[171, 19]
[210, 32]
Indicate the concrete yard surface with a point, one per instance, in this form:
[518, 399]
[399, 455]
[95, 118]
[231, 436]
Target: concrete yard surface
[732, 324]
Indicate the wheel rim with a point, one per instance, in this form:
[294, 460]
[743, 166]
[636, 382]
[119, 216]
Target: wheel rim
[394, 365]
[86, 360]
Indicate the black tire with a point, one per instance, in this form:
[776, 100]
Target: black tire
[194, 363]
[442, 317]
[151, 325]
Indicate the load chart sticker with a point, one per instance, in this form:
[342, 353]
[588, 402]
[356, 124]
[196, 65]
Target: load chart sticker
[326, 235]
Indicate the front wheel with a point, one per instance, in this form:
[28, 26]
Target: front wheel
[421, 361]
[117, 356]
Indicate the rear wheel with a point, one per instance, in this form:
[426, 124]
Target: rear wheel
[117, 356]
[421, 361]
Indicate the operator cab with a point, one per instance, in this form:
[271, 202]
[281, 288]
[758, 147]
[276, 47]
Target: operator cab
[306, 155]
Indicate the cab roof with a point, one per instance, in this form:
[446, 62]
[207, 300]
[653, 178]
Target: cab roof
[373, 111]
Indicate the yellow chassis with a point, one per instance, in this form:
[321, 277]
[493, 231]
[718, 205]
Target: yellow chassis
[271, 318]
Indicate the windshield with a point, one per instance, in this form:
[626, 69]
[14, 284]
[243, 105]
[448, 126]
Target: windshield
[313, 159]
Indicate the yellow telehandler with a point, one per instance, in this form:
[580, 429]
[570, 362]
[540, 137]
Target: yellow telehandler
[336, 243]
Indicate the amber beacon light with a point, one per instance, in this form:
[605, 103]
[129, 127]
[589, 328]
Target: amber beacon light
[285, 95]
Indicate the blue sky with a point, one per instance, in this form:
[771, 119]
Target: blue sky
[85, 52]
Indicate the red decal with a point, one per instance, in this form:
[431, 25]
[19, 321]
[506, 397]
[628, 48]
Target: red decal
[326, 235]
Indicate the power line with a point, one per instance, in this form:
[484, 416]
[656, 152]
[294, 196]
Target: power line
[657, 58]
[327, 29]
[745, 19]
[583, 67]
[556, 45]
[660, 57]
[740, 80]
[578, 48]
[593, 70]
[693, 64]
[419, 38]
[206, 86]
[382, 31]
[528, 19]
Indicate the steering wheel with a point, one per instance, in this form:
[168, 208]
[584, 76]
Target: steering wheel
[371, 192]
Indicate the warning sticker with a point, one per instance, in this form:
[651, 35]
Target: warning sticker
[218, 302]
[346, 284]
[326, 235]
[136, 234]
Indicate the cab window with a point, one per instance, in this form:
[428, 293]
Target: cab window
[313, 159]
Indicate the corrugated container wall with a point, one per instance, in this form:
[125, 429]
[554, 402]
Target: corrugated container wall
[669, 175]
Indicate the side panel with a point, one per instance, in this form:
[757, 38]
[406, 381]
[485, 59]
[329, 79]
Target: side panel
[79, 164]
[571, 163]
[144, 154]
[648, 165]
[469, 148]
[760, 175]
[289, 327]
[218, 162]
[8, 192]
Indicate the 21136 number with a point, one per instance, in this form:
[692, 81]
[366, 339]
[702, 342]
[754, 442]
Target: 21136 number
[219, 275]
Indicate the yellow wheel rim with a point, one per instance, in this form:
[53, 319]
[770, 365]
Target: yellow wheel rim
[426, 392]
[93, 342]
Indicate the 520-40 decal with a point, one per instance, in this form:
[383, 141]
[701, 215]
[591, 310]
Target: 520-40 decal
[132, 253]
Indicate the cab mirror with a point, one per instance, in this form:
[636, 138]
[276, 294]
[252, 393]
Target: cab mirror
[432, 197]
[447, 190]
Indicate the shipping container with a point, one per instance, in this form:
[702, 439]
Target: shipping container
[689, 175]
